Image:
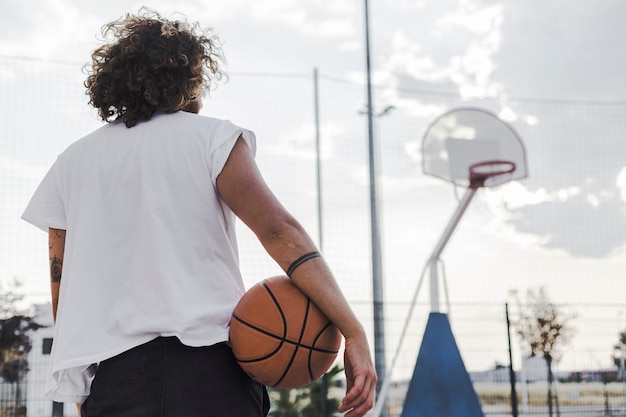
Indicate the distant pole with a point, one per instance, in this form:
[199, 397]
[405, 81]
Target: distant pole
[318, 165]
[514, 407]
[377, 286]
[320, 228]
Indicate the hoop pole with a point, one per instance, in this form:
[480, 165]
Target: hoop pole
[433, 260]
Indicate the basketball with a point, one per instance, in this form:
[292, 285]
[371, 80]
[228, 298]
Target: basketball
[279, 336]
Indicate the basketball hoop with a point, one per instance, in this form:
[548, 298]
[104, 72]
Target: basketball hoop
[469, 140]
[481, 171]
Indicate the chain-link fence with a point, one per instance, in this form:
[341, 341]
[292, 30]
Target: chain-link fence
[587, 380]
[563, 228]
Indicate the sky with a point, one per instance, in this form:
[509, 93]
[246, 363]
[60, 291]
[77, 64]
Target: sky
[553, 69]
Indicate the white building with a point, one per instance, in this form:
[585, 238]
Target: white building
[39, 362]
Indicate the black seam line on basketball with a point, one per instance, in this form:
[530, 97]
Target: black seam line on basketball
[319, 334]
[258, 329]
[280, 310]
[306, 317]
[282, 316]
[282, 340]
[295, 351]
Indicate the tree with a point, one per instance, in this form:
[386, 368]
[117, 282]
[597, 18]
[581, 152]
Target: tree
[320, 404]
[285, 402]
[309, 401]
[543, 327]
[15, 342]
[619, 353]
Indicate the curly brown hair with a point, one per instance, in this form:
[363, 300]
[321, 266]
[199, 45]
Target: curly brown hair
[149, 64]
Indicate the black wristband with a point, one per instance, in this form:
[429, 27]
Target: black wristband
[295, 264]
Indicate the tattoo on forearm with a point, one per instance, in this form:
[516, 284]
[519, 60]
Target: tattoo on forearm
[58, 233]
[56, 267]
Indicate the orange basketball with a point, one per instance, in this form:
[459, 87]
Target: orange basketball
[280, 338]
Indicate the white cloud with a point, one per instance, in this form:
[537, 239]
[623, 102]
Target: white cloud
[335, 21]
[593, 200]
[565, 193]
[514, 195]
[473, 18]
[507, 114]
[468, 63]
[506, 231]
[300, 142]
[531, 120]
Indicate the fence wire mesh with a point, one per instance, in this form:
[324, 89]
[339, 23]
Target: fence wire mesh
[567, 235]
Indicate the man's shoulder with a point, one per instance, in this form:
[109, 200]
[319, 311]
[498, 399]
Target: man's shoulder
[186, 116]
[193, 121]
[90, 137]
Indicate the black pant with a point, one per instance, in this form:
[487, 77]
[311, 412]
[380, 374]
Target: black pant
[164, 378]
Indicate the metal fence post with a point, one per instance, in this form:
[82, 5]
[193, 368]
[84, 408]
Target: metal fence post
[514, 409]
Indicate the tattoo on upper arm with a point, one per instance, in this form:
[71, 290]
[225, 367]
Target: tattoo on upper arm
[56, 247]
[56, 268]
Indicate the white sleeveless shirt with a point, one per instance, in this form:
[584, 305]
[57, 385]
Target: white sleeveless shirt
[150, 247]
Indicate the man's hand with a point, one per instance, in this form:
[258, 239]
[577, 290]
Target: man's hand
[360, 377]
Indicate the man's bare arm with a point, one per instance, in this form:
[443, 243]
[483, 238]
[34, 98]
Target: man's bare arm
[56, 249]
[242, 187]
